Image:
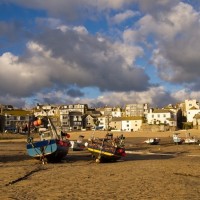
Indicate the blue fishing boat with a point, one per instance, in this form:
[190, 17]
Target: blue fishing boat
[52, 146]
[107, 149]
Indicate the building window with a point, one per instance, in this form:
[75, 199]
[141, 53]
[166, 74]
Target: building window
[152, 116]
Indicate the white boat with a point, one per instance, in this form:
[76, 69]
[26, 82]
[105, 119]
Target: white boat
[152, 141]
[191, 140]
[78, 145]
[177, 139]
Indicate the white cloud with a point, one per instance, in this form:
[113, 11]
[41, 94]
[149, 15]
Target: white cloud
[178, 19]
[62, 55]
[155, 96]
[175, 35]
[80, 29]
[183, 94]
[121, 17]
[73, 59]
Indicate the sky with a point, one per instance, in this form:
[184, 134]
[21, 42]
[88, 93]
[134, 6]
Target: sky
[102, 52]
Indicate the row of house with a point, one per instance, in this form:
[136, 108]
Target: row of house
[81, 117]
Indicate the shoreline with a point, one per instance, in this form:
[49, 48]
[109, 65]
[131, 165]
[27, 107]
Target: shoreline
[7, 137]
[145, 134]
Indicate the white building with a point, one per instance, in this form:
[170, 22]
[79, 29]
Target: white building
[191, 113]
[44, 110]
[131, 123]
[192, 103]
[162, 116]
[117, 112]
[104, 121]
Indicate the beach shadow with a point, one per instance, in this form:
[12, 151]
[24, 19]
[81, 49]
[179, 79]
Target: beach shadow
[13, 158]
[153, 155]
[75, 156]
[137, 157]
[139, 148]
[85, 157]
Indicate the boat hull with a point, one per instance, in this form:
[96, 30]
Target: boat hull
[106, 153]
[52, 150]
[152, 141]
[191, 141]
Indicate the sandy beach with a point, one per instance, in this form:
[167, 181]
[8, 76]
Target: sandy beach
[164, 171]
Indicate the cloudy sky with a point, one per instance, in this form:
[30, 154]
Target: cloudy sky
[102, 52]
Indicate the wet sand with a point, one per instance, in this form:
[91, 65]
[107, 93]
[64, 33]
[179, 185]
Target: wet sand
[164, 171]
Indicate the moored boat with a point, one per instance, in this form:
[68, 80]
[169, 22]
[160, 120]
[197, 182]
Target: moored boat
[191, 140]
[107, 149]
[152, 141]
[52, 146]
[177, 139]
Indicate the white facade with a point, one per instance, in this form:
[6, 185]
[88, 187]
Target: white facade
[104, 121]
[190, 104]
[116, 112]
[52, 112]
[191, 113]
[161, 117]
[131, 124]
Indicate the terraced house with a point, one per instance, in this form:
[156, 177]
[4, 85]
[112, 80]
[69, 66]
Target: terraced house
[162, 116]
[126, 123]
[133, 117]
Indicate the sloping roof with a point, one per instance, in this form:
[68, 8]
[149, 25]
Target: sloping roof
[18, 112]
[197, 116]
[116, 119]
[171, 119]
[126, 118]
[193, 108]
[161, 111]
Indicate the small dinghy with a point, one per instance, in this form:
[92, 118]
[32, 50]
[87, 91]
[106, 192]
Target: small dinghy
[152, 141]
[177, 139]
[191, 140]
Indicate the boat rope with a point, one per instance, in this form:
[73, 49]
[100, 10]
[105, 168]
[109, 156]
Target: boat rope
[25, 176]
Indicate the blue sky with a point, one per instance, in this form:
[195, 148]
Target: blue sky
[103, 52]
